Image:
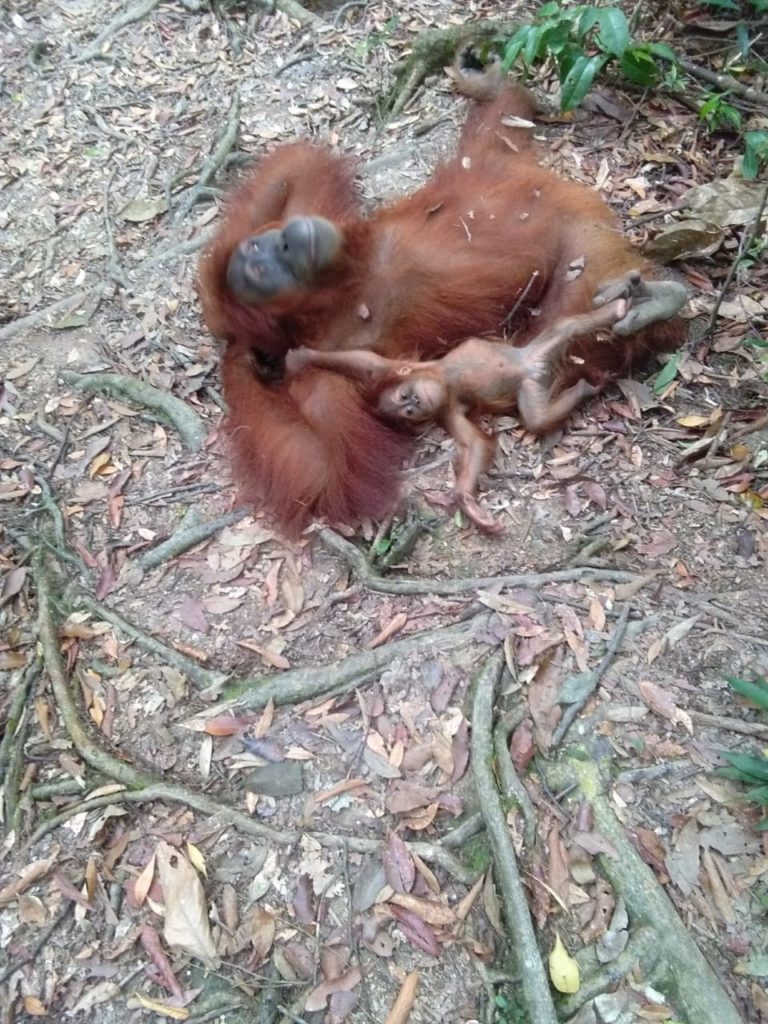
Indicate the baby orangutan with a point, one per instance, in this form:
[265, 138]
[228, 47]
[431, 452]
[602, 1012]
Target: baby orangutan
[479, 376]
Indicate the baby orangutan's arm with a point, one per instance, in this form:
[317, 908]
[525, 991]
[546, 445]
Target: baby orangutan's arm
[359, 365]
[475, 453]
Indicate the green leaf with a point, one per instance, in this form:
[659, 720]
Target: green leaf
[533, 47]
[614, 30]
[579, 79]
[752, 767]
[665, 377]
[662, 50]
[639, 66]
[589, 17]
[514, 47]
[756, 691]
[750, 164]
[556, 38]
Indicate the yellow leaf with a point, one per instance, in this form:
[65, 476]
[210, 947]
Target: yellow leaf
[563, 969]
[100, 465]
[174, 1012]
[34, 1007]
[753, 499]
[740, 452]
[693, 421]
[198, 860]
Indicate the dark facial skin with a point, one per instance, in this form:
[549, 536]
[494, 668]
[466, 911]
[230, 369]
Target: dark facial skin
[417, 399]
[283, 260]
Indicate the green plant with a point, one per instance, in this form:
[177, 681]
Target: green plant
[582, 40]
[750, 769]
[718, 114]
[755, 153]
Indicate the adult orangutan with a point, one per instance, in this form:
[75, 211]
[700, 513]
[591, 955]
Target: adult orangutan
[493, 243]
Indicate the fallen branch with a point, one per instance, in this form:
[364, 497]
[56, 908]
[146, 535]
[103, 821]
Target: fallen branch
[187, 536]
[206, 678]
[522, 938]
[726, 83]
[174, 252]
[190, 427]
[445, 588]
[701, 997]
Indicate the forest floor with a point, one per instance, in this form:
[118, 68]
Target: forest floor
[629, 583]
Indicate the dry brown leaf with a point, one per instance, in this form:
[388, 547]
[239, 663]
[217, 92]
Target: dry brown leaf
[34, 871]
[438, 914]
[406, 997]
[394, 626]
[144, 882]
[186, 911]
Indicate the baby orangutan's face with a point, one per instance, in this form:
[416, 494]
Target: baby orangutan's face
[416, 398]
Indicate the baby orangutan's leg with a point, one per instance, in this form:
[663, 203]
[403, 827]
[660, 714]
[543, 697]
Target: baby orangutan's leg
[475, 453]
[540, 413]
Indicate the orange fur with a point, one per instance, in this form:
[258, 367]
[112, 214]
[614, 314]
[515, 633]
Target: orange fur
[491, 234]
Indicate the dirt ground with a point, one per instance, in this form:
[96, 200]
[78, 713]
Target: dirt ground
[350, 879]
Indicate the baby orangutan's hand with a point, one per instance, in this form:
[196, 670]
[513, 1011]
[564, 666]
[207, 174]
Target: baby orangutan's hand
[296, 359]
[476, 514]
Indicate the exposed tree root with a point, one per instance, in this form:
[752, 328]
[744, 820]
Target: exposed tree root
[693, 985]
[190, 427]
[445, 588]
[513, 787]
[522, 938]
[204, 678]
[133, 14]
[295, 685]
[145, 787]
[186, 537]
[227, 142]
[12, 743]
[592, 680]
[66, 305]
[641, 951]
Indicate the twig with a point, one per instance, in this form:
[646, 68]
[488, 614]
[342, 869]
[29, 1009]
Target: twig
[114, 269]
[700, 995]
[190, 427]
[187, 536]
[594, 677]
[393, 585]
[724, 82]
[174, 252]
[730, 724]
[746, 240]
[148, 786]
[31, 951]
[65, 305]
[522, 938]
